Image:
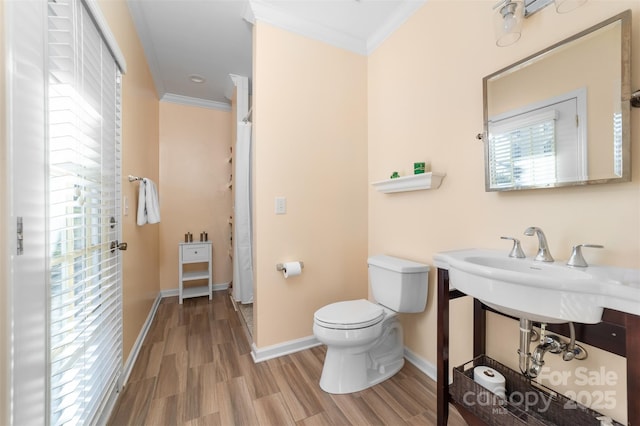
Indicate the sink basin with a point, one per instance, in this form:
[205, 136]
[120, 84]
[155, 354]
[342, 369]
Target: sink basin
[550, 292]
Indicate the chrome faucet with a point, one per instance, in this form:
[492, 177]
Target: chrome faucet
[544, 255]
[577, 259]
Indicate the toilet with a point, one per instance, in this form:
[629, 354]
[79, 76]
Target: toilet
[363, 338]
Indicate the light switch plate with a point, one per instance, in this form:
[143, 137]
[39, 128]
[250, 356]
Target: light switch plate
[281, 205]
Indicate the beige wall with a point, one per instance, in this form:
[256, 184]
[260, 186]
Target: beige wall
[194, 176]
[425, 103]
[140, 157]
[4, 317]
[310, 146]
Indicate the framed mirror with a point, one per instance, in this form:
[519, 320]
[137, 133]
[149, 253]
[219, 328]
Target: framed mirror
[560, 117]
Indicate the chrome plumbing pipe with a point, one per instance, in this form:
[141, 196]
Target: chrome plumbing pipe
[525, 341]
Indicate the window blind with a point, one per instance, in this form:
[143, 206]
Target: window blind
[85, 312]
[617, 143]
[522, 152]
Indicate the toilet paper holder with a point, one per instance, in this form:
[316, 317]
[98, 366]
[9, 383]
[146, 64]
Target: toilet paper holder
[280, 266]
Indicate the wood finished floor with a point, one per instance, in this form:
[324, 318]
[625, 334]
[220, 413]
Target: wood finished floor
[195, 368]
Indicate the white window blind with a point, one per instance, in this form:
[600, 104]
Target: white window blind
[540, 144]
[522, 152]
[85, 313]
[617, 143]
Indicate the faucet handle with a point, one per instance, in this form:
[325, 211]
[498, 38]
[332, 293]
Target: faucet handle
[576, 258]
[516, 250]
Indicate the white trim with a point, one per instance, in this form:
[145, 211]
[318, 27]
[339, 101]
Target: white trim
[197, 102]
[297, 345]
[135, 350]
[27, 330]
[395, 21]
[174, 291]
[259, 10]
[107, 406]
[515, 122]
[169, 293]
[242, 100]
[265, 12]
[281, 349]
[144, 35]
[221, 286]
[421, 364]
[107, 35]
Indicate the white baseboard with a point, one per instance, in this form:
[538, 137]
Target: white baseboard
[135, 350]
[221, 286]
[291, 346]
[281, 349]
[421, 364]
[216, 287]
[168, 293]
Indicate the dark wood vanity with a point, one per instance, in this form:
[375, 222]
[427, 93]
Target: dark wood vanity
[618, 333]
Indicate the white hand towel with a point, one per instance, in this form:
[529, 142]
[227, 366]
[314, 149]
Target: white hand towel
[142, 204]
[152, 202]
[148, 203]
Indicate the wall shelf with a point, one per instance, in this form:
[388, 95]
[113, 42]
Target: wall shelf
[431, 180]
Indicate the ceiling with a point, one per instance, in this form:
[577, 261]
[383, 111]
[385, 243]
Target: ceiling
[212, 38]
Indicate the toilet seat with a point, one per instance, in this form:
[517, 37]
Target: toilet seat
[349, 315]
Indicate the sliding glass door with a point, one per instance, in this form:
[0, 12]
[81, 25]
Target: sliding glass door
[64, 145]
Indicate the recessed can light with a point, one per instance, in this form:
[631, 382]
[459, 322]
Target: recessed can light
[197, 78]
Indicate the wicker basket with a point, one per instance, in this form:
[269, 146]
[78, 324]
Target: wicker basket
[526, 403]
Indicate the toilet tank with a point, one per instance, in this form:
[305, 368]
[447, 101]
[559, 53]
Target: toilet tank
[399, 284]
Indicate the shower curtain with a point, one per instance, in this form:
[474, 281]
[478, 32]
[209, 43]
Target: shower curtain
[242, 232]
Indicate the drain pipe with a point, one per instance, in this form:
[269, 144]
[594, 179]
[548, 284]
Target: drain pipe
[525, 341]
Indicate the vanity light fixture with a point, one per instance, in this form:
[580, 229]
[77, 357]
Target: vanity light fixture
[507, 21]
[509, 15]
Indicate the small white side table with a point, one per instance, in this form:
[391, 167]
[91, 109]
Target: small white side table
[200, 253]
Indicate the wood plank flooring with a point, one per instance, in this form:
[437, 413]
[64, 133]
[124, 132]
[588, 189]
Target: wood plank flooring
[195, 368]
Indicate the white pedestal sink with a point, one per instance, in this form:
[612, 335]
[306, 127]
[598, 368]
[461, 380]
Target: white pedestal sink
[550, 292]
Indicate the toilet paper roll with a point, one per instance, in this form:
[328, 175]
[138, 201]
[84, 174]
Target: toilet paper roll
[490, 379]
[291, 269]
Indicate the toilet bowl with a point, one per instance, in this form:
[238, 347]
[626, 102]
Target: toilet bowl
[359, 353]
[364, 339]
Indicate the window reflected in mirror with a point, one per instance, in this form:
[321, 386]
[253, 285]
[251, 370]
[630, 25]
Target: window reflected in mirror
[561, 117]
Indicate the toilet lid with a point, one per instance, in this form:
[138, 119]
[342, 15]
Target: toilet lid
[351, 314]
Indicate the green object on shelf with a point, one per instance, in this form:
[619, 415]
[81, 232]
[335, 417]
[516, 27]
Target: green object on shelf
[418, 168]
[395, 175]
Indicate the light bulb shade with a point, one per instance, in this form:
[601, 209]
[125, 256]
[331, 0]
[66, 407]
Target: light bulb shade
[507, 22]
[564, 6]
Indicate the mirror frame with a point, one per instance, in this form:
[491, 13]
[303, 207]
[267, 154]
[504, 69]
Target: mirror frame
[625, 90]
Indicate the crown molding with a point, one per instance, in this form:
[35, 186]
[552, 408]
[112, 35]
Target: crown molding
[146, 40]
[259, 10]
[197, 102]
[395, 21]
